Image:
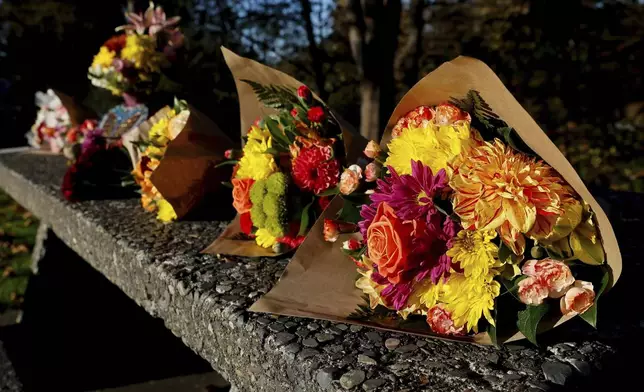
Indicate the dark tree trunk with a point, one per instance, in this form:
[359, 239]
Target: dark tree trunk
[373, 35]
[317, 57]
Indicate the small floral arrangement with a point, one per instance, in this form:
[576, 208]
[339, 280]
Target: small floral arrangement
[52, 123]
[99, 169]
[288, 168]
[153, 149]
[131, 63]
[457, 222]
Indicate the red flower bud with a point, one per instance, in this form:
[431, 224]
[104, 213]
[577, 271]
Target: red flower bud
[304, 93]
[228, 154]
[316, 114]
[333, 228]
[294, 112]
[246, 223]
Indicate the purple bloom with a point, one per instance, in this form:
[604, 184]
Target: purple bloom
[396, 295]
[411, 195]
[94, 136]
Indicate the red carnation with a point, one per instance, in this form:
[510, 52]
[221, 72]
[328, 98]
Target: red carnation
[316, 114]
[116, 43]
[292, 242]
[69, 181]
[246, 223]
[304, 93]
[315, 170]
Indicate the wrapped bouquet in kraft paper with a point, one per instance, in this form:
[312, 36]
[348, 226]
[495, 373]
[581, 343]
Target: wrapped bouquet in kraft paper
[60, 122]
[293, 155]
[175, 155]
[467, 223]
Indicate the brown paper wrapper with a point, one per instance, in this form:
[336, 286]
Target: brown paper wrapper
[187, 177]
[251, 109]
[77, 112]
[319, 282]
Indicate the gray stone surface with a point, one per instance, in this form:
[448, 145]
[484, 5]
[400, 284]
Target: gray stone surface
[159, 266]
[9, 381]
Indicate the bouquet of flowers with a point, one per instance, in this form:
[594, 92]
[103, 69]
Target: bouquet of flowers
[289, 166]
[52, 122]
[131, 63]
[166, 125]
[470, 224]
[59, 122]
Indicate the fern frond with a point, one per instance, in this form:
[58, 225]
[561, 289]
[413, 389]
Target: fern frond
[273, 96]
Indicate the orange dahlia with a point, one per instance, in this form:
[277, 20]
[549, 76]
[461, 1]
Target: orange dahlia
[496, 188]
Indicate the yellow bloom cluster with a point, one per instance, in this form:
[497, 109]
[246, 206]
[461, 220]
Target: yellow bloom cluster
[159, 136]
[433, 144]
[104, 58]
[141, 51]
[256, 163]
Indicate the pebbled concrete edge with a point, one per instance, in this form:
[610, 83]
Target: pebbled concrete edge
[220, 336]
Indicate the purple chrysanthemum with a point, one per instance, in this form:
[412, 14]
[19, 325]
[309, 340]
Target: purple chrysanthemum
[410, 195]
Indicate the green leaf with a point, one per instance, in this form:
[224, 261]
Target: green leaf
[276, 132]
[272, 151]
[528, 320]
[505, 253]
[305, 219]
[349, 212]
[329, 192]
[512, 286]
[590, 315]
[226, 163]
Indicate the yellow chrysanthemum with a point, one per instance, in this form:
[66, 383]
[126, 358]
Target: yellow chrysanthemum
[256, 163]
[166, 212]
[496, 188]
[424, 295]
[264, 238]
[475, 252]
[432, 293]
[368, 286]
[434, 145]
[159, 133]
[104, 58]
[141, 51]
[469, 299]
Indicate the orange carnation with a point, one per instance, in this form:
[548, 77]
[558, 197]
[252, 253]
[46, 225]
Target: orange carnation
[388, 243]
[241, 198]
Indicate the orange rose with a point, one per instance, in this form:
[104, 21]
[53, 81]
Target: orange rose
[241, 199]
[553, 274]
[532, 291]
[388, 243]
[578, 299]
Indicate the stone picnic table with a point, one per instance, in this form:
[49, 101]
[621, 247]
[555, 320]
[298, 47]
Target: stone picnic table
[203, 299]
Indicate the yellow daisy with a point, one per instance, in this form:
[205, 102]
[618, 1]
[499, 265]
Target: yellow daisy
[474, 252]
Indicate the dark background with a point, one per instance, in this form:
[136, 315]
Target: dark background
[575, 65]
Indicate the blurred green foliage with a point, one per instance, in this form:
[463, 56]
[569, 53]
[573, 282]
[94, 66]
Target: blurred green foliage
[17, 235]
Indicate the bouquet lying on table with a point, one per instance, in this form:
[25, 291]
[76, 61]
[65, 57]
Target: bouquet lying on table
[293, 152]
[289, 163]
[165, 127]
[457, 225]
